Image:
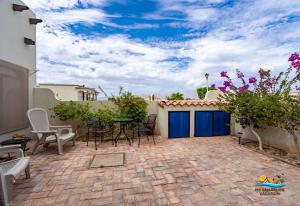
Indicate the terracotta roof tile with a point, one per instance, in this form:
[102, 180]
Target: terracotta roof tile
[194, 102]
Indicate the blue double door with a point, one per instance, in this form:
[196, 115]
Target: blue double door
[212, 123]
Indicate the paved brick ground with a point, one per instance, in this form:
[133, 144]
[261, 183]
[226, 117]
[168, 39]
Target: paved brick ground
[196, 171]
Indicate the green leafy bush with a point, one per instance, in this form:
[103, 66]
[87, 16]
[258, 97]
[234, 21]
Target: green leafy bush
[71, 110]
[130, 106]
[107, 114]
[176, 96]
[127, 105]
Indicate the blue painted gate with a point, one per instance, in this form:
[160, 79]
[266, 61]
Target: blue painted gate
[179, 124]
[221, 123]
[203, 124]
[212, 123]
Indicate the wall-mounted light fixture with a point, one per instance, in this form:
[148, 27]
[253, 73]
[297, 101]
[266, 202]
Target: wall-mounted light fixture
[20, 8]
[35, 21]
[28, 41]
[33, 72]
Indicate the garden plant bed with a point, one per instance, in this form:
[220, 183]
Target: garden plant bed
[273, 152]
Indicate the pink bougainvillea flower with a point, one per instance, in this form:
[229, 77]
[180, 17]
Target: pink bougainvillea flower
[268, 84]
[296, 64]
[226, 84]
[297, 88]
[252, 80]
[239, 74]
[294, 57]
[222, 89]
[243, 88]
[223, 74]
[213, 86]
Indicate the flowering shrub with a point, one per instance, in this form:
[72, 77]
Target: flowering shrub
[264, 99]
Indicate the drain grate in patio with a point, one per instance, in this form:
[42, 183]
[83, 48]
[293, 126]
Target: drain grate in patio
[108, 160]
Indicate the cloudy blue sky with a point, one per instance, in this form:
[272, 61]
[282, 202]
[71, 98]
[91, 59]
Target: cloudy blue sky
[161, 46]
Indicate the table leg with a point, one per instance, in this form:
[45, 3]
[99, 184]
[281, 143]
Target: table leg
[117, 138]
[127, 138]
[122, 130]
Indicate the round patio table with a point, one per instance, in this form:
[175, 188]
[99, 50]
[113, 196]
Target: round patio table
[22, 141]
[123, 122]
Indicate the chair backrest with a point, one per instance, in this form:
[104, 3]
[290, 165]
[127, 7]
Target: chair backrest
[95, 123]
[91, 122]
[151, 122]
[38, 119]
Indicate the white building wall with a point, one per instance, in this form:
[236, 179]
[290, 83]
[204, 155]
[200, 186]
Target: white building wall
[64, 92]
[14, 26]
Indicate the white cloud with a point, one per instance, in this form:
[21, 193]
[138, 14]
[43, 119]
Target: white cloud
[89, 16]
[244, 37]
[201, 14]
[60, 4]
[50, 4]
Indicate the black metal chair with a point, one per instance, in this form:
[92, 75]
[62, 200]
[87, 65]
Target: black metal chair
[99, 129]
[91, 125]
[147, 127]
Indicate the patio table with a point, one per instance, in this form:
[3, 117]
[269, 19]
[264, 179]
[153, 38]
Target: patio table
[123, 122]
[22, 141]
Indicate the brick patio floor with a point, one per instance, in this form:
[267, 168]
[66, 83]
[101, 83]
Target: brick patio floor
[194, 171]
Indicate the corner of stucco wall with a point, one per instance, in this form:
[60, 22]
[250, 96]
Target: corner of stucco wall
[162, 122]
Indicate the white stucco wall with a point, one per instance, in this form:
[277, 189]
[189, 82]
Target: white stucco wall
[67, 92]
[14, 26]
[212, 95]
[64, 92]
[272, 136]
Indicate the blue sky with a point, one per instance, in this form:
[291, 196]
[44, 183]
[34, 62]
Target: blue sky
[161, 46]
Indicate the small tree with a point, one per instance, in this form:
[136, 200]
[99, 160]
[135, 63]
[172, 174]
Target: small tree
[201, 91]
[266, 101]
[176, 96]
[249, 108]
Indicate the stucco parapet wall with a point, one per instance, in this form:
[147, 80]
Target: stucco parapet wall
[44, 92]
[189, 103]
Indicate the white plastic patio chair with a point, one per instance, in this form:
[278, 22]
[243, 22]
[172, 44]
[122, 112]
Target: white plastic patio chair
[39, 122]
[10, 171]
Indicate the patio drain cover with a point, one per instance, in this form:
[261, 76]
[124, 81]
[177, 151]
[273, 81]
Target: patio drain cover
[108, 160]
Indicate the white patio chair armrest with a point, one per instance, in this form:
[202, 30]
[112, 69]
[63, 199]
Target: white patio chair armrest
[18, 151]
[49, 132]
[9, 147]
[61, 126]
